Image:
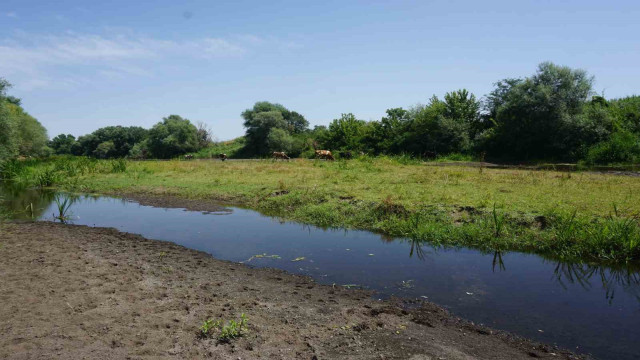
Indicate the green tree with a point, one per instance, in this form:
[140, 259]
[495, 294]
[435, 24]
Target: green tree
[280, 140]
[463, 108]
[62, 144]
[20, 133]
[626, 112]
[386, 136]
[123, 139]
[8, 137]
[32, 136]
[265, 116]
[104, 150]
[443, 127]
[535, 117]
[172, 136]
[140, 150]
[346, 133]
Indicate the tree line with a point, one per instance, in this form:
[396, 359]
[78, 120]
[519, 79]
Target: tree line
[171, 137]
[552, 115]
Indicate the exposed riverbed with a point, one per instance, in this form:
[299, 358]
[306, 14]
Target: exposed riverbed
[584, 308]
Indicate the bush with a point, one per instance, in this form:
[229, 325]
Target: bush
[622, 147]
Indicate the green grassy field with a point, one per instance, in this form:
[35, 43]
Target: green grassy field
[573, 216]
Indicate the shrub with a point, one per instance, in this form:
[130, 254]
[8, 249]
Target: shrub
[622, 147]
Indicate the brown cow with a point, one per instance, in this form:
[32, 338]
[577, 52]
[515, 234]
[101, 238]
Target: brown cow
[222, 157]
[324, 154]
[280, 155]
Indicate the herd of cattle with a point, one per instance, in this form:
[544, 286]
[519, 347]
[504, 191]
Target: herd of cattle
[320, 154]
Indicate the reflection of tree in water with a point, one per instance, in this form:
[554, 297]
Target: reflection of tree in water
[626, 278]
[584, 274]
[610, 278]
[24, 203]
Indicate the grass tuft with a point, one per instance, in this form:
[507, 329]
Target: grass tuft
[227, 332]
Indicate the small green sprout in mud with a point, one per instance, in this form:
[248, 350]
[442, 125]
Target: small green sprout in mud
[263, 256]
[299, 258]
[232, 330]
[208, 327]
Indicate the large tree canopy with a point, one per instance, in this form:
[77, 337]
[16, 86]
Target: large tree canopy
[8, 138]
[443, 126]
[62, 144]
[20, 133]
[264, 117]
[173, 136]
[536, 117]
[119, 140]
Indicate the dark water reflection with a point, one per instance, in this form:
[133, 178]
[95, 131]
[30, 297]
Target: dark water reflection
[593, 308]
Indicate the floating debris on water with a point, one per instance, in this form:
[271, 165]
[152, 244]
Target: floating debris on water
[262, 256]
[299, 258]
[469, 293]
[407, 284]
[350, 286]
[371, 254]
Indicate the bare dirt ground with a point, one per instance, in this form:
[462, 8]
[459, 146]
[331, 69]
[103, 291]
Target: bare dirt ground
[78, 292]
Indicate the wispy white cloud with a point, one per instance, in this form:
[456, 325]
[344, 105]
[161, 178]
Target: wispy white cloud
[11, 14]
[112, 56]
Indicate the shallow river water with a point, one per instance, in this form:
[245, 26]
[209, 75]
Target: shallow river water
[588, 309]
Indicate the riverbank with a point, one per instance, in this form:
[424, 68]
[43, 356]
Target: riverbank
[565, 216]
[75, 291]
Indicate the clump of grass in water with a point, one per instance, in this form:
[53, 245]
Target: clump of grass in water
[46, 178]
[232, 330]
[63, 204]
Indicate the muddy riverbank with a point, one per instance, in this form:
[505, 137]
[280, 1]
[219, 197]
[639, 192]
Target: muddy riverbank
[75, 292]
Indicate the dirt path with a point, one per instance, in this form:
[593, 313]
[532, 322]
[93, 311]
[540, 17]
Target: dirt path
[79, 292]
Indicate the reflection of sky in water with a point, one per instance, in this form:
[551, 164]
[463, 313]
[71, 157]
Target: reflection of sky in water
[523, 293]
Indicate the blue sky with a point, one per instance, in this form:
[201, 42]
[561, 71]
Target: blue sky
[81, 65]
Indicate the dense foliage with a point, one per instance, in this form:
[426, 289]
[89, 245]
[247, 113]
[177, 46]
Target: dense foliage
[171, 137]
[272, 127]
[20, 133]
[553, 115]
